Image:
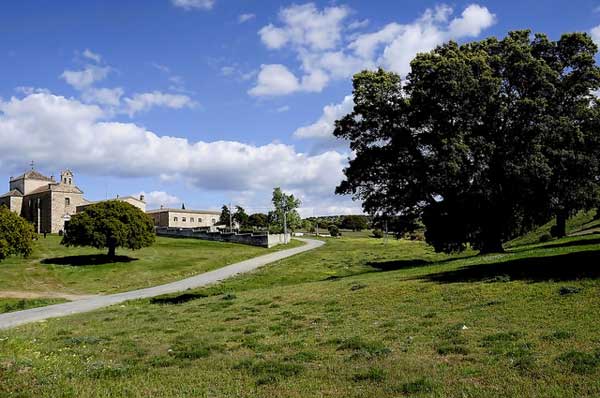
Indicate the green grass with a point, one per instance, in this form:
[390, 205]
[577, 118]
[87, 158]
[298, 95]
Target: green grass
[11, 304]
[55, 268]
[354, 318]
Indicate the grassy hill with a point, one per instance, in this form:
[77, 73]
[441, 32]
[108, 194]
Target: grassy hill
[355, 318]
[55, 269]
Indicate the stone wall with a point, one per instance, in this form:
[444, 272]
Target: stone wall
[262, 240]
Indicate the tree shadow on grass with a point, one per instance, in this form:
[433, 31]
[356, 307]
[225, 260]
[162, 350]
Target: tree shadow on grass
[88, 259]
[179, 299]
[565, 267]
[395, 265]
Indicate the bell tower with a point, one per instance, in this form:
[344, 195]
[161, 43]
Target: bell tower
[66, 177]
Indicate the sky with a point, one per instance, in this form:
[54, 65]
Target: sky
[208, 102]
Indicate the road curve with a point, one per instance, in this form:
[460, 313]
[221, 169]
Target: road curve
[13, 319]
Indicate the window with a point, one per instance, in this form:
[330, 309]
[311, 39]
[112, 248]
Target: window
[69, 181]
[199, 221]
[67, 201]
[191, 219]
[214, 221]
[175, 219]
[182, 219]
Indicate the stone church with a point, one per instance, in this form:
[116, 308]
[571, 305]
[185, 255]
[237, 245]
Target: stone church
[43, 201]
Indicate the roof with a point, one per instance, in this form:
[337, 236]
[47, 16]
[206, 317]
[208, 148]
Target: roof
[33, 175]
[14, 192]
[119, 198]
[167, 210]
[55, 187]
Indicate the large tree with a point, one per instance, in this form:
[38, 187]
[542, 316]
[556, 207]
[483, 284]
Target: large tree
[16, 234]
[110, 224]
[462, 144]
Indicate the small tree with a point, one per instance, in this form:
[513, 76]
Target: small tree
[16, 234]
[241, 217]
[285, 204]
[110, 224]
[224, 218]
[258, 220]
[334, 230]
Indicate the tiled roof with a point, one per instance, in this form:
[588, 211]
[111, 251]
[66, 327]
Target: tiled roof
[14, 192]
[166, 210]
[33, 175]
[57, 188]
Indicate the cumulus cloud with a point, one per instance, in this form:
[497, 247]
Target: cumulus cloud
[83, 137]
[194, 4]
[327, 50]
[87, 53]
[156, 199]
[324, 126]
[595, 33]
[275, 80]
[245, 17]
[144, 101]
[82, 79]
[103, 96]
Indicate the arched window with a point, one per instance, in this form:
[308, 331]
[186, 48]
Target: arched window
[175, 219]
[191, 219]
[67, 201]
[182, 219]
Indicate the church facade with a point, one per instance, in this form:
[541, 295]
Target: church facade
[46, 203]
[43, 201]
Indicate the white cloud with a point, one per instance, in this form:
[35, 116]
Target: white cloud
[323, 128]
[595, 33]
[87, 53]
[275, 80]
[143, 101]
[63, 132]
[103, 96]
[472, 21]
[83, 79]
[156, 199]
[358, 24]
[194, 4]
[245, 17]
[282, 109]
[324, 54]
[306, 26]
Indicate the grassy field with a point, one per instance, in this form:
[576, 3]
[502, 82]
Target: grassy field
[56, 269]
[355, 318]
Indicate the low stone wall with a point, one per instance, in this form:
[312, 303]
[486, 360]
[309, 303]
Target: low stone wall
[263, 240]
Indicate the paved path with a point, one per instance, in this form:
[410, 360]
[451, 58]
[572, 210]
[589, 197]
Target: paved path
[12, 319]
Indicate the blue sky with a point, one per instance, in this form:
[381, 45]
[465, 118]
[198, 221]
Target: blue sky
[211, 101]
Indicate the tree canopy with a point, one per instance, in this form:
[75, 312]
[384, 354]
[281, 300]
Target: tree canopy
[16, 234]
[482, 142]
[225, 217]
[284, 203]
[110, 224]
[354, 222]
[240, 217]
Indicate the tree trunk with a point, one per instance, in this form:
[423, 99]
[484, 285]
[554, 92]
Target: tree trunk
[561, 224]
[112, 251]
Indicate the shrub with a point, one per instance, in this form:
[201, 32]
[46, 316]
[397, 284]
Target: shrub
[334, 231]
[377, 233]
[16, 234]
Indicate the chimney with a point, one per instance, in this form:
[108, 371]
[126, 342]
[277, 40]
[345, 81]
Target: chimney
[162, 207]
[142, 197]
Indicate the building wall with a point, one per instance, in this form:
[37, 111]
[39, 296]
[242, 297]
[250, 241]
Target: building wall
[137, 203]
[62, 211]
[27, 185]
[16, 203]
[263, 240]
[37, 210]
[174, 219]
